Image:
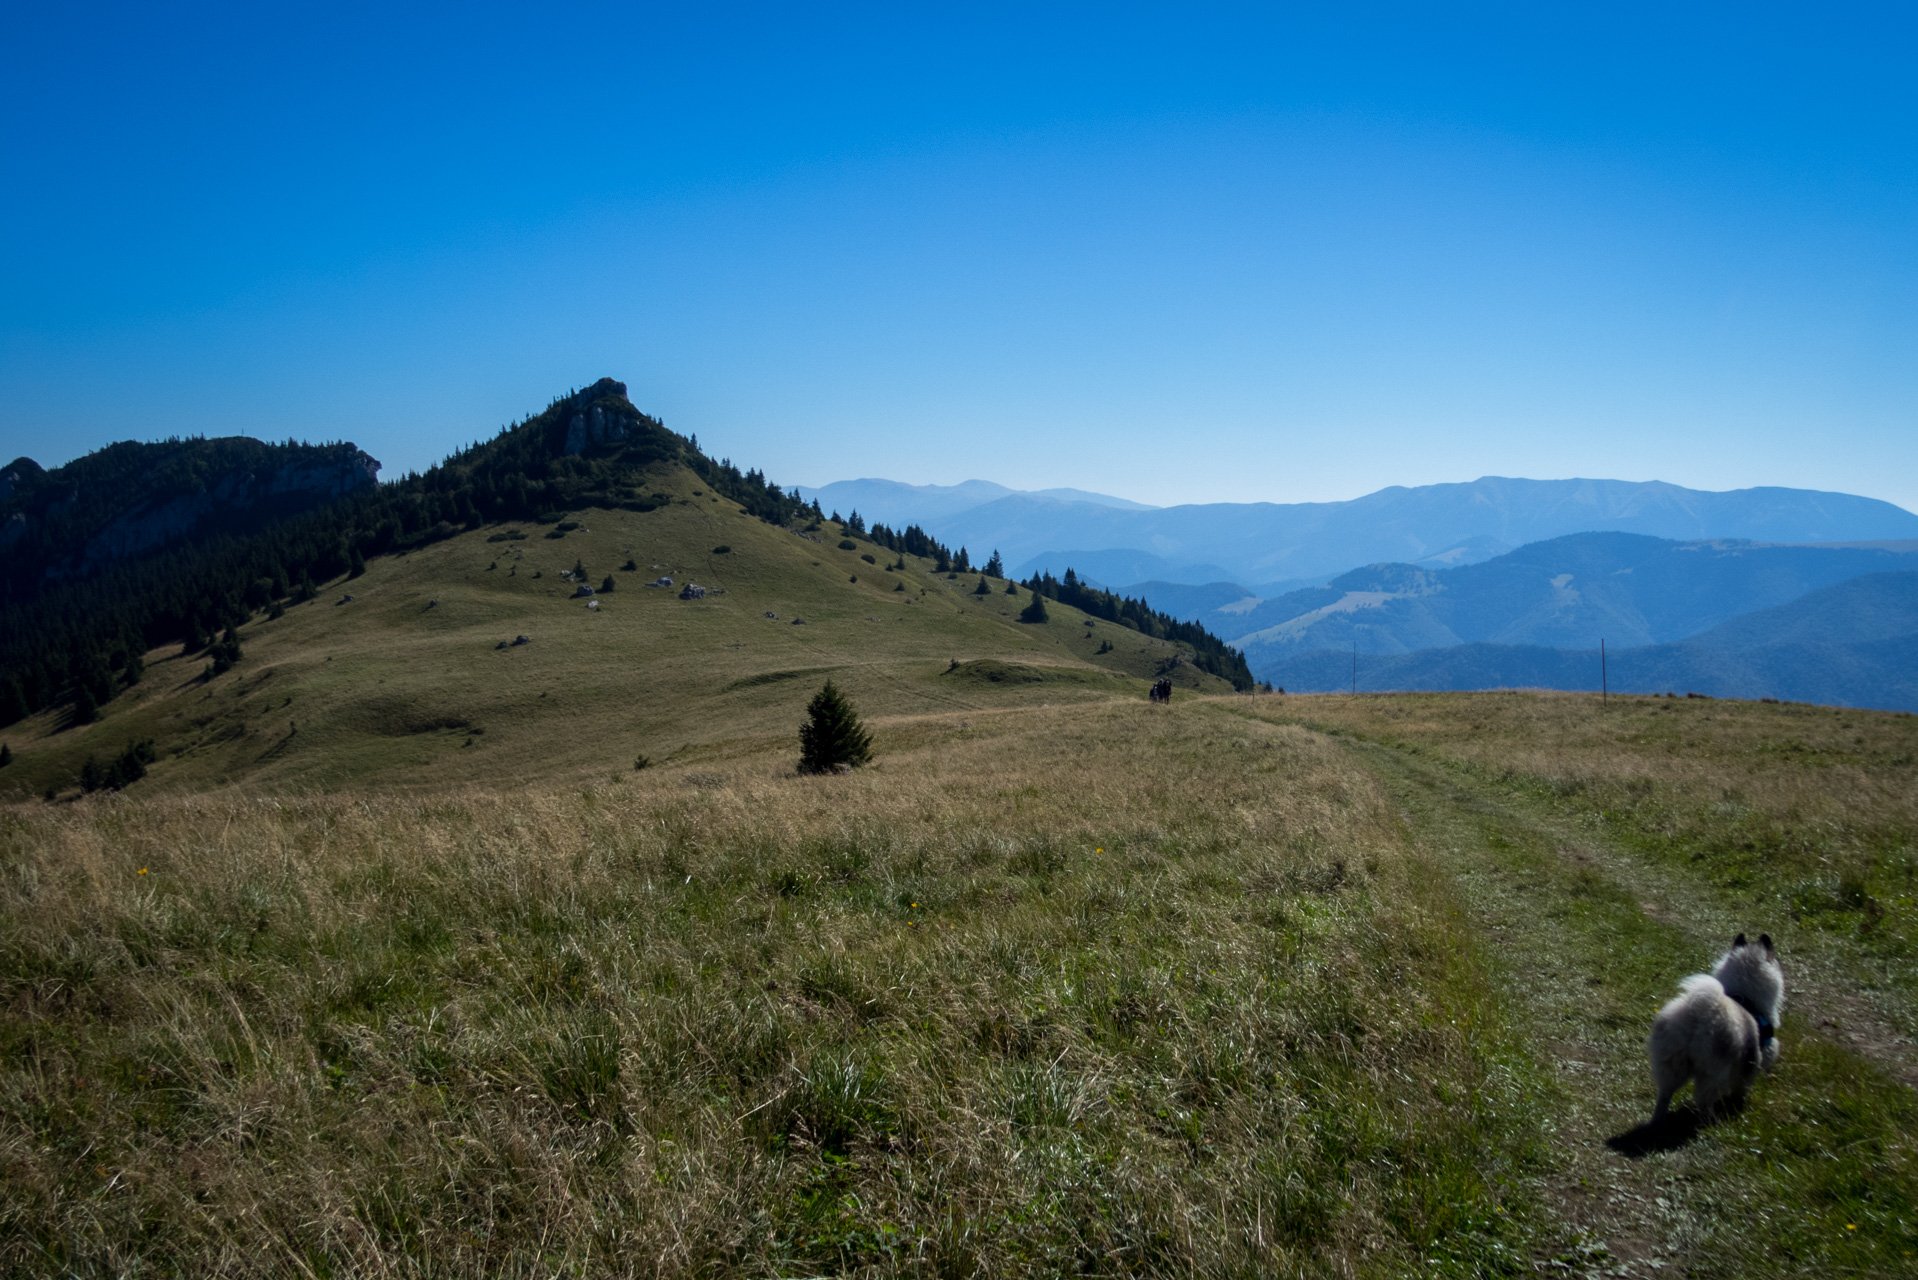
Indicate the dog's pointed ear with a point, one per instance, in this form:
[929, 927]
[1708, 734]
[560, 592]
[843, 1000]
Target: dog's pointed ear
[1739, 941]
[1764, 940]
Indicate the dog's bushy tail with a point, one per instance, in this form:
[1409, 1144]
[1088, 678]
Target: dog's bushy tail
[1702, 982]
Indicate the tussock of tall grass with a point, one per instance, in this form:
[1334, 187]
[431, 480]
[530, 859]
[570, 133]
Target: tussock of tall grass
[1075, 990]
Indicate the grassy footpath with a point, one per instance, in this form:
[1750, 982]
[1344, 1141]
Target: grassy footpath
[1593, 921]
[1093, 989]
[1804, 816]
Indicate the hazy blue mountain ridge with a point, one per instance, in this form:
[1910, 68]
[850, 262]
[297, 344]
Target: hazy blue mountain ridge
[1878, 674]
[1565, 593]
[1851, 644]
[1863, 610]
[1445, 524]
[1183, 600]
[1111, 566]
[895, 503]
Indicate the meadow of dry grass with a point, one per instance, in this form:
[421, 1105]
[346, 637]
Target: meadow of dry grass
[1243, 986]
[1095, 989]
[1808, 814]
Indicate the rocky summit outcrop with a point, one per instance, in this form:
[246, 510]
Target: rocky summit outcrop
[608, 419]
[20, 471]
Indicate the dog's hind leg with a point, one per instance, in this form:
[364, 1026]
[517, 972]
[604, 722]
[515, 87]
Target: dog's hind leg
[1669, 1072]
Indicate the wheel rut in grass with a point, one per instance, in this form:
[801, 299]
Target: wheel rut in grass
[1830, 985]
[1589, 943]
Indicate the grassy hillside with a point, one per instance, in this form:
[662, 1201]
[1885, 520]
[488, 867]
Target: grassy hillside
[1101, 987]
[1247, 985]
[395, 690]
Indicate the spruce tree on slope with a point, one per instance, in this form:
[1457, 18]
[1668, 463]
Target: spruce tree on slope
[832, 734]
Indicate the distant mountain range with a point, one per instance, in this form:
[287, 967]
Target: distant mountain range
[1723, 617]
[1768, 592]
[898, 504]
[1285, 544]
[1564, 593]
[1852, 644]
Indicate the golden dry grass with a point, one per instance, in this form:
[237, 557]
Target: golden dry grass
[1101, 988]
[1806, 813]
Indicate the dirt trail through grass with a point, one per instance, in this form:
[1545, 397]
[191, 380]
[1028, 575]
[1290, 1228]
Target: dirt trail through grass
[1816, 1176]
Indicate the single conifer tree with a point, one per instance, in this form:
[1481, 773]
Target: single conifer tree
[607, 585]
[86, 708]
[982, 589]
[355, 563]
[1036, 611]
[136, 668]
[832, 734]
[1012, 588]
[127, 768]
[6, 755]
[224, 652]
[995, 567]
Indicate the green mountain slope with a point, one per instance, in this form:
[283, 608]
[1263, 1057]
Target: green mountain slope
[405, 683]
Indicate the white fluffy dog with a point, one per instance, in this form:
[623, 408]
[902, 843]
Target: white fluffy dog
[1721, 1030]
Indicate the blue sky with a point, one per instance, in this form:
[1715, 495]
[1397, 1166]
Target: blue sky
[1179, 254]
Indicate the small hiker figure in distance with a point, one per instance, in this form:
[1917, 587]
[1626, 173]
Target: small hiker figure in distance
[1162, 691]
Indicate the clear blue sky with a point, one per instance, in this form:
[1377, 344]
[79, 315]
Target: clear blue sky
[1173, 253]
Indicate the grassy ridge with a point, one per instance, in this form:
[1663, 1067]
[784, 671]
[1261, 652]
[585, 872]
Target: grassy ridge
[405, 687]
[1089, 988]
